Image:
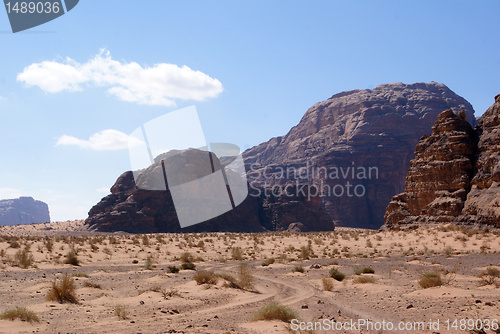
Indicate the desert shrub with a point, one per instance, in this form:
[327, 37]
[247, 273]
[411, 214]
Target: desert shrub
[187, 257]
[64, 291]
[489, 276]
[21, 313]
[298, 269]
[49, 244]
[275, 311]
[237, 254]
[339, 276]
[448, 250]
[429, 280]
[135, 261]
[71, 258]
[364, 270]
[145, 240]
[90, 284]
[80, 275]
[270, 260]
[245, 277]
[334, 263]
[14, 243]
[173, 269]
[170, 293]
[121, 311]
[206, 277]
[327, 283]
[364, 279]
[188, 266]
[149, 263]
[231, 281]
[23, 259]
[305, 252]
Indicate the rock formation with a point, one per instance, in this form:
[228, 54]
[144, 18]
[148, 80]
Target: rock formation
[131, 209]
[23, 210]
[455, 174]
[338, 140]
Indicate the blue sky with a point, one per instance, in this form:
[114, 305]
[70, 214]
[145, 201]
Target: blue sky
[252, 70]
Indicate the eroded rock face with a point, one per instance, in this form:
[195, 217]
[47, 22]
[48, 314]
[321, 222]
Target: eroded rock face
[455, 174]
[23, 210]
[439, 177]
[483, 200]
[358, 129]
[135, 210]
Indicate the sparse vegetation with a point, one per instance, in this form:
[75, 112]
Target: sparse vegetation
[327, 283]
[121, 311]
[429, 280]
[173, 269]
[21, 313]
[298, 269]
[275, 311]
[149, 263]
[64, 291]
[337, 275]
[245, 276]
[364, 279]
[206, 277]
[24, 258]
[90, 284]
[237, 254]
[71, 258]
[489, 276]
[364, 270]
[188, 266]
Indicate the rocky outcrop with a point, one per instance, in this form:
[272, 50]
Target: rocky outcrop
[355, 148]
[23, 210]
[439, 177]
[455, 174]
[131, 209]
[483, 201]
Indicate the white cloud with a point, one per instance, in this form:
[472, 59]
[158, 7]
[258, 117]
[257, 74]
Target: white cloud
[160, 84]
[9, 193]
[104, 140]
[103, 190]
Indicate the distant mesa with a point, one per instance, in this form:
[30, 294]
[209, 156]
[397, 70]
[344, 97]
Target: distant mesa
[455, 176]
[23, 210]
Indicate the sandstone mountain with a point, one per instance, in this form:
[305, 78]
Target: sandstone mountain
[23, 210]
[340, 140]
[132, 209]
[455, 174]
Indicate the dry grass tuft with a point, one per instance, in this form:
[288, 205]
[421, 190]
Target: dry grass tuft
[363, 280]
[21, 313]
[71, 258]
[489, 276]
[121, 311]
[206, 277]
[339, 276]
[429, 280]
[245, 277]
[274, 311]
[327, 283]
[90, 284]
[64, 291]
[23, 258]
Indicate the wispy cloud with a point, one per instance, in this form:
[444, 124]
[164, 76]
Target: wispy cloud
[160, 84]
[9, 193]
[105, 140]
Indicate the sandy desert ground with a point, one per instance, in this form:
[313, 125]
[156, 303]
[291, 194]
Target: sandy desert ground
[124, 282]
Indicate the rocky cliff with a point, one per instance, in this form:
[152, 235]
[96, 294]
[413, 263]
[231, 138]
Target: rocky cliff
[355, 148]
[131, 209]
[455, 174]
[23, 210]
